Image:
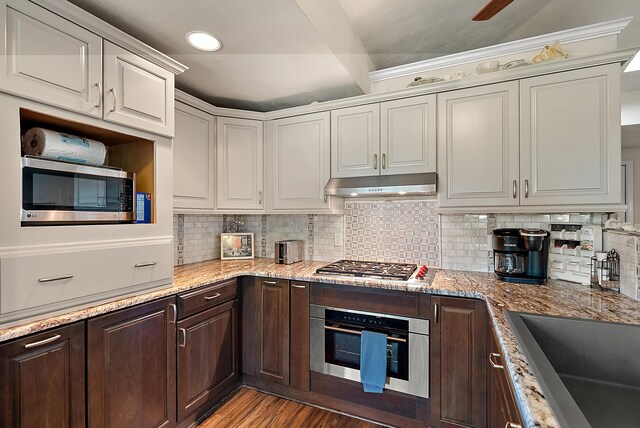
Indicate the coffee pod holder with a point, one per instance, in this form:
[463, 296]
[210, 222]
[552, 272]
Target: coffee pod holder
[605, 270]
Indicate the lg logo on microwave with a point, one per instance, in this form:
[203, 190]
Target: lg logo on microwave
[29, 215]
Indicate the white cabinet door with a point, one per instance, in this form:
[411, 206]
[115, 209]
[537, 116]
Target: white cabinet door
[408, 135]
[478, 146]
[193, 158]
[137, 92]
[355, 141]
[300, 154]
[50, 59]
[239, 159]
[570, 137]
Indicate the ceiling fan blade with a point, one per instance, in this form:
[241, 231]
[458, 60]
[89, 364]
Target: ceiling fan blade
[490, 9]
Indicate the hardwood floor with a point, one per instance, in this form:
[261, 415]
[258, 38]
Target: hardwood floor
[252, 409]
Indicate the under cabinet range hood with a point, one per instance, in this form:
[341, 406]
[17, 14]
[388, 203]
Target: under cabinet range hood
[383, 185]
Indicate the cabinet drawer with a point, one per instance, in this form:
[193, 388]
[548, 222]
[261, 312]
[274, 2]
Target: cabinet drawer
[44, 282]
[207, 297]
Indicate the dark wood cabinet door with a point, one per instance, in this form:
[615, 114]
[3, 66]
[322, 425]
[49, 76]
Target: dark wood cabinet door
[42, 379]
[208, 358]
[272, 330]
[501, 403]
[299, 341]
[131, 367]
[458, 363]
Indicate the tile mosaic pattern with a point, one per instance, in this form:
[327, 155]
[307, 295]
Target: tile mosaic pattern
[325, 230]
[198, 236]
[393, 231]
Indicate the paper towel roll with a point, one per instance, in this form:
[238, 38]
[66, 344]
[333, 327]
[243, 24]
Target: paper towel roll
[60, 146]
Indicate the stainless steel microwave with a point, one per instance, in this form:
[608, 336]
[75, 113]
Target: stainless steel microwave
[56, 192]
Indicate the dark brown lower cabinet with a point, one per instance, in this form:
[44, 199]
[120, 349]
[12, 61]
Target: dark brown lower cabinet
[458, 362]
[299, 336]
[502, 410]
[42, 379]
[208, 358]
[272, 330]
[131, 367]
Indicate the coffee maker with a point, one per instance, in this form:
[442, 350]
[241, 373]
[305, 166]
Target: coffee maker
[521, 255]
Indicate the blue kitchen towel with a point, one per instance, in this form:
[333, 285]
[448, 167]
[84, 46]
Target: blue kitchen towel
[373, 361]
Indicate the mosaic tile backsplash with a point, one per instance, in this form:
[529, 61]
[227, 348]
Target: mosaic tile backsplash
[392, 231]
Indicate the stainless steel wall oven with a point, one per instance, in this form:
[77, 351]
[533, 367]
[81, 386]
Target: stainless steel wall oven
[335, 346]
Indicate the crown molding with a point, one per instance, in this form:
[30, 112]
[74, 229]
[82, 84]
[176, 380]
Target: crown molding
[572, 35]
[217, 111]
[107, 31]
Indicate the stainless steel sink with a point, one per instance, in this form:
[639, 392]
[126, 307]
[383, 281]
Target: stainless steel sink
[589, 370]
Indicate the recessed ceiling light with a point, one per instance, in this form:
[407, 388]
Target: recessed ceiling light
[402, 193]
[203, 41]
[634, 64]
[353, 194]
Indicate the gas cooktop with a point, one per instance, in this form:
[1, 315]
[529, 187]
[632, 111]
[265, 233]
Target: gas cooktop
[400, 271]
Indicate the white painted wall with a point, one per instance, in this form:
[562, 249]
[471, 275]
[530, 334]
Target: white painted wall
[633, 154]
[631, 108]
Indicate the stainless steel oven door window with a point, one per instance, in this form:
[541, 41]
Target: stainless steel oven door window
[335, 349]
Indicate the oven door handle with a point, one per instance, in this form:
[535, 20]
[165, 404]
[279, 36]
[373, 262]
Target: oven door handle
[349, 331]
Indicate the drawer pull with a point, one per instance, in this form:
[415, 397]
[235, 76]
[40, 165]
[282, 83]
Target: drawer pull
[174, 309]
[215, 296]
[183, 334]
[139, 265]
[512, 425]
[42, 342]
[115, 100]
[270, 282]
[55, 278]
[299, 286]
[493, 363]
[99, 86]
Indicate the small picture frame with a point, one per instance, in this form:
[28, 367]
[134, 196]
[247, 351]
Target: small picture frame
[236, 246]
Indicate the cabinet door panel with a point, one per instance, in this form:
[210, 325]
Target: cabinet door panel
[272, 330]
[570, 137]
[301, 156]
[50, 59]
[131, 367]
[193, 159]
[239, 164]
[44, 385]
[478, 146]
[355, 141]
[408, 135]
[207, 357]
[459, 358]
[138, 93]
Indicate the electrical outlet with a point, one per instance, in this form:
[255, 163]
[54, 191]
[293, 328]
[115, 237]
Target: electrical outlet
[337, 239]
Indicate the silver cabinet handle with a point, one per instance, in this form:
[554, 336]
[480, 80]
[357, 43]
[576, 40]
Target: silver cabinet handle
[175, 313]
[512, 425]
[139, 265]
[259, 197]
[526, 188]
[99, 86]
[515, 189]
[435, 313]
[298, 286]
[55, 278]
[493, 363]
[375, 161]
[270, 282]
[215, 296]
[384, 161]
[42, 342]
[115, 100]
[183, 332]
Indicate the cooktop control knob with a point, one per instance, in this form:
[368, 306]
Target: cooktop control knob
[421, 272]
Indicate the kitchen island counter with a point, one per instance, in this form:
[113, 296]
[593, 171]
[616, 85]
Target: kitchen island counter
[559, 298]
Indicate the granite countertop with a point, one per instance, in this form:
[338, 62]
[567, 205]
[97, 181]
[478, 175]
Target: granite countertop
[559, 298]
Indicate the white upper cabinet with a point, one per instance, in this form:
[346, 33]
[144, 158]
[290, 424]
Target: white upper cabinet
[47, 58]
[50, 59]
[193, 159]
[355, 141]
[299, 150]
[478, 146]
[239, 160]
[137, 92]
[408, 135]
[570, 146]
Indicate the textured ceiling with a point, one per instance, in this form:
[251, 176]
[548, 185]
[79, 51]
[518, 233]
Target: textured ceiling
[276, 55]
